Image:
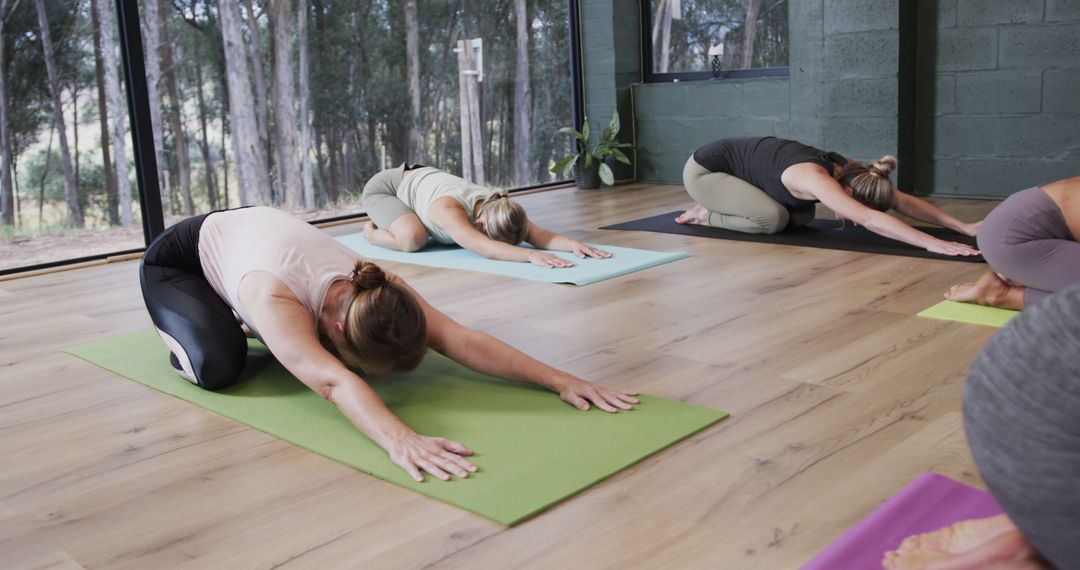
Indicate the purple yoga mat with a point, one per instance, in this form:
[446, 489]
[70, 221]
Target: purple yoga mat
[928, 503]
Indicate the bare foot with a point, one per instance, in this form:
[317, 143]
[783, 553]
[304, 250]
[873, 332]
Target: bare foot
[696, 215]
[369, 227]
[960, 537]
[979, 544]
[990, 290]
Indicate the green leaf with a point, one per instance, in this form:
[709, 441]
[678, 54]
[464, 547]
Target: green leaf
[620, 156]
[613, 126]
[564, 165]
[606, 175]
[585, 132]
[588, 160]
[571, 132]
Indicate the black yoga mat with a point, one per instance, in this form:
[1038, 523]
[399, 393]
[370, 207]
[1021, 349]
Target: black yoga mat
[824, 234]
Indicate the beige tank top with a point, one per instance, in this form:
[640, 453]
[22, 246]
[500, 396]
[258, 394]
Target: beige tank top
[234, 243]
[422, 186]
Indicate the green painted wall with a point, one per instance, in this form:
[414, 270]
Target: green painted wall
[995, 108]
[998, 103]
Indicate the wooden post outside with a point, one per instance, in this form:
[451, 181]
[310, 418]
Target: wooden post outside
[469, 75]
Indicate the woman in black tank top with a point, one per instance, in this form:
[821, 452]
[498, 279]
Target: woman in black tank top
[767, 184]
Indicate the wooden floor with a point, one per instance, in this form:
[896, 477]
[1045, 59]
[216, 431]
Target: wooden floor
[839, 396]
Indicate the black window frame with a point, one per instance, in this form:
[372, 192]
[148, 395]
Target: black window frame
[647, 60]
[145, 162]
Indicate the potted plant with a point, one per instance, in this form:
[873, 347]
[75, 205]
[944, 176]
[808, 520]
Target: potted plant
[589, 163]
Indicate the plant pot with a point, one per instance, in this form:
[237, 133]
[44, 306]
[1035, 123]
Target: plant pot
[587, 178]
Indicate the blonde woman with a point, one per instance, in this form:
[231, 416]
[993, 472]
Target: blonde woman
[326, 315]
[408, 203]
[763, 185]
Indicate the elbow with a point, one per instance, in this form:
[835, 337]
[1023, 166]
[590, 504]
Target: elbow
[327, 390]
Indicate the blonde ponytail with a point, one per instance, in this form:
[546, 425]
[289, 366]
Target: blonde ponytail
[871, 185]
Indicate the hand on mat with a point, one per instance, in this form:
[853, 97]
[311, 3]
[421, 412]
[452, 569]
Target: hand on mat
[544, 259]
[951, 248]
[580, 393]
[585, 250]
[436, 455]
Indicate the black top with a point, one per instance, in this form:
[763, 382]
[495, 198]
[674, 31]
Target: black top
[761, 160]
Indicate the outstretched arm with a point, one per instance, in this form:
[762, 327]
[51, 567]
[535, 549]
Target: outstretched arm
[452, 219]
[915, 207]
[290, 334]
[547, 239]
[813, 180]
[484, 353]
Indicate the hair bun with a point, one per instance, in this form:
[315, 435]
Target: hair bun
[366, 276]
[884, 165]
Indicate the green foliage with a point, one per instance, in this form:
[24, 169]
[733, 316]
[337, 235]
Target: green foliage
[606, 146]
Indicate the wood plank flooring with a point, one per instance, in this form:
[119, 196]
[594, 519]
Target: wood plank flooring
[839, 396]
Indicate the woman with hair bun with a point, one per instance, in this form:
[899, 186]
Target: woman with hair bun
[323, 312]
[764, 185]
[408, 203]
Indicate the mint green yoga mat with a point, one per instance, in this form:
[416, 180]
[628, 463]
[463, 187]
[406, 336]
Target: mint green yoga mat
[585, 271]
[969, 313]
[532, 449]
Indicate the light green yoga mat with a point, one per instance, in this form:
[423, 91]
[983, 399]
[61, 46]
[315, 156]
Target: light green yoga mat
[585, 271]
[533, 450]
[969, 313]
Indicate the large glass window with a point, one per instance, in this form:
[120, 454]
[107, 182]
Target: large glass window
[67, 188]
[710, 38]
[290, 103]
[296, 103]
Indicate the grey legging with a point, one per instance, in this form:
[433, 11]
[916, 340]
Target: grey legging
[1027, 240]
[737, 205]
[1022, 417]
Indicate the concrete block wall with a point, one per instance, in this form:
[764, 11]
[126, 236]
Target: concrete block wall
[995, 105]
[998, 102]
[611, 48]
[840, 93]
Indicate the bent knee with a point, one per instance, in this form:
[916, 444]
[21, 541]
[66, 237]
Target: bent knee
[413, 241]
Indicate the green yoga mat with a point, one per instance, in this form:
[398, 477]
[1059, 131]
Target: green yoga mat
[969, 313]
[533, 450]
[585, 271]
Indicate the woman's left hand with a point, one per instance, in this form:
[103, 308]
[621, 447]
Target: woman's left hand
[581, 394]
[971, 229]
[584, 250]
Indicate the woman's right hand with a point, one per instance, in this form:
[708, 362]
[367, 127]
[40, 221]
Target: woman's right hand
[544, 259]
[951, 248]
[436, 455]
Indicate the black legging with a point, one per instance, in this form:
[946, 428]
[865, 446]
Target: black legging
[1022, 418]
[208, 344]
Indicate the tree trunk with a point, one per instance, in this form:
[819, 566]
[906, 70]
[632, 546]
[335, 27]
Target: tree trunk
[412, 64]
[183, 160]
[111, 198]
[208, 161]
[252, 176]
[44, 174]
[111, 66]
[522, 97]
[288, 162]
[7, 191]
[749, 31]
[152, 26]
[306, 178]
[71, 196]
[261, 114]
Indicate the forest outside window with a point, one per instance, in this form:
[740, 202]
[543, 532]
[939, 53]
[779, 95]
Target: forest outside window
[706, 39]
[310, 98]
[287, 103]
